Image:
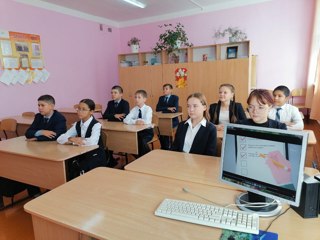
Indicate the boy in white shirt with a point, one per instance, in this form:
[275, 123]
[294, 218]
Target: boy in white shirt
[284, 112]
[141, 114]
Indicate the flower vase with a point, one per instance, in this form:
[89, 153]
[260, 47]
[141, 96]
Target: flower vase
[134, 48]
[178, 44]
[232, 39]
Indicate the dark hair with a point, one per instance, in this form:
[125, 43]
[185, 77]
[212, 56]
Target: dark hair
[263, 96]
[203, 101]
[89, 102]
[233, 104]
[284, 89]
[167, 85]
[117, 87]
[142, 92]
[47, 98]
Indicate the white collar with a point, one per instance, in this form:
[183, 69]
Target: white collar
[203, 122]
[86, 123]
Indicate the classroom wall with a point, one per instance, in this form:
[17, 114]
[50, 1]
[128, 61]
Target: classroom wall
[279, 31]
[81, 59]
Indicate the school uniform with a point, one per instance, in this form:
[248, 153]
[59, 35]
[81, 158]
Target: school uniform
[90, 130]
[116, 107]
[269, 124]
[56, 123]
[235, 109]
[144, 113]
[201, 139]
[288, 113]
[163, 104]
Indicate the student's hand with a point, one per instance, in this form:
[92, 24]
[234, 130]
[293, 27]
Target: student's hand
[220, 127]
[76, 141]
[120, 116]
[289, 123]
[49, 134]
[172, 109]
[31, 139]
[140, 122]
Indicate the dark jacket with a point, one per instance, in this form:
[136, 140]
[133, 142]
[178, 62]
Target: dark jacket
[205, 142]
[163, 106]
[238, 112]
[269, 124]
[123, 107]
[57, 124]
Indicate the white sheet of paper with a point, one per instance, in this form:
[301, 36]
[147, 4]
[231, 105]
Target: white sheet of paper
[6, 77]
[6, 47]
[36, 63]
[22, 76]
[37, 75]
[10, 62]
[15, 74]
[45, 75]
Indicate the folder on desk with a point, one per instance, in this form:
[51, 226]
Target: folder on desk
[228, 234]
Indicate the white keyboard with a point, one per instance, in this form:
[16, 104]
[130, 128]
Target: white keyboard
[209, 215]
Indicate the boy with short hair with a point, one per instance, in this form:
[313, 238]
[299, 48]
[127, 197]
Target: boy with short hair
[168, 103]
[284, 112]
[117, 108]
[48, 124]
[141, 114]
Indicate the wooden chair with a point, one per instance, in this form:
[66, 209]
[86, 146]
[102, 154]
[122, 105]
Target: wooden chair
[156, 136]
[299, 93]
[9, 127]
[98, 109]
[28, 114]
[180, 110]
[76, 106]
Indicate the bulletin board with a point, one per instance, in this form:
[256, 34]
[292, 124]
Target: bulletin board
[21, 59]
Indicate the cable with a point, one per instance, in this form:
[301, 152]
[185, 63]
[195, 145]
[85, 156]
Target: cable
[186, 190]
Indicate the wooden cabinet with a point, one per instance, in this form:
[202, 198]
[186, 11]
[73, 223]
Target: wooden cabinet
[207, 68]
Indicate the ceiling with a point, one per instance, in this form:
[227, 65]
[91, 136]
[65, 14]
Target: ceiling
[120, 14]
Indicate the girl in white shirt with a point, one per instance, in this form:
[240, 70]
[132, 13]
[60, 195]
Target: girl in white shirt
[86, 132]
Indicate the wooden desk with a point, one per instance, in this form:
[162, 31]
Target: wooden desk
[165, 122]
[123, 208]
[182, 166]
[23, 123]
[38, 163]
[70, 114]
[122, 137]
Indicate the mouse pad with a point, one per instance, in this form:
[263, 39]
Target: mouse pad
[233, 235]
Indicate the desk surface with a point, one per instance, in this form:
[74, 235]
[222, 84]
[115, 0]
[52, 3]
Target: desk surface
[121, 127]
[182, 166]
[167, 115]
[49, 150]
[21, 119]
[123, 208]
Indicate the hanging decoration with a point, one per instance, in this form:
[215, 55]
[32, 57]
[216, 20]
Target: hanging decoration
[181, 77]
[21, 59]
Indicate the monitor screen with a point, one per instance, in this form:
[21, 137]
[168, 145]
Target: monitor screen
[265, 161]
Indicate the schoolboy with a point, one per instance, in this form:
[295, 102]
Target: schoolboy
[141, 114]
[284, 112]
[48, 124]
[168, 103]
[117, 108]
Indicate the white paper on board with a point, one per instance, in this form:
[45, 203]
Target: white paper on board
[6, 77]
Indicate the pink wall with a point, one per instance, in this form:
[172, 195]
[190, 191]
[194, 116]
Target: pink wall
[279, 31]
[81, 59]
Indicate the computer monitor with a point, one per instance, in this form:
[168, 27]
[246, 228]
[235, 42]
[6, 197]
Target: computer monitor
[266, 162]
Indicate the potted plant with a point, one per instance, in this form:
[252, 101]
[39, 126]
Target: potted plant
[172, 39]
[134, 43]
[233, 33]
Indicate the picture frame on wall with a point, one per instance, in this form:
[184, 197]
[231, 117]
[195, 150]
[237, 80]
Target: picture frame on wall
[232, 52]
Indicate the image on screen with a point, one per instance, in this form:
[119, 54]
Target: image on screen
[265, 161]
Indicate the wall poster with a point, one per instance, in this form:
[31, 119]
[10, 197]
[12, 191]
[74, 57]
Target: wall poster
[21, 59]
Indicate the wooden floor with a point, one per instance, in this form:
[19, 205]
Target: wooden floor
[15, 224]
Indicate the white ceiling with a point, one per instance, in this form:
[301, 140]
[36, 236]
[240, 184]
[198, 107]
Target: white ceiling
[120, 14]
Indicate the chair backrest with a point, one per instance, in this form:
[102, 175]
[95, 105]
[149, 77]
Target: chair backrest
[98, 109]
[179, 109]
[9, 125]
[28, 114]
[104, 139]
[76, 106]
[298, 92]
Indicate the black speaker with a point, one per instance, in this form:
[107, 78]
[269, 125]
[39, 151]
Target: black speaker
[309, 202]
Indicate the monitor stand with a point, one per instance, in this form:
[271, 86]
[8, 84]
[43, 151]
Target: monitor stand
[263, 211]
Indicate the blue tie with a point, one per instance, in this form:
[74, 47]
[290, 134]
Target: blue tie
[116, 104]
[278, 115]
[140, 114]
[46, 120]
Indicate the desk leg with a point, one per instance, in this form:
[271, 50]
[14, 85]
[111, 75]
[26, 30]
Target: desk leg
[45, 230]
